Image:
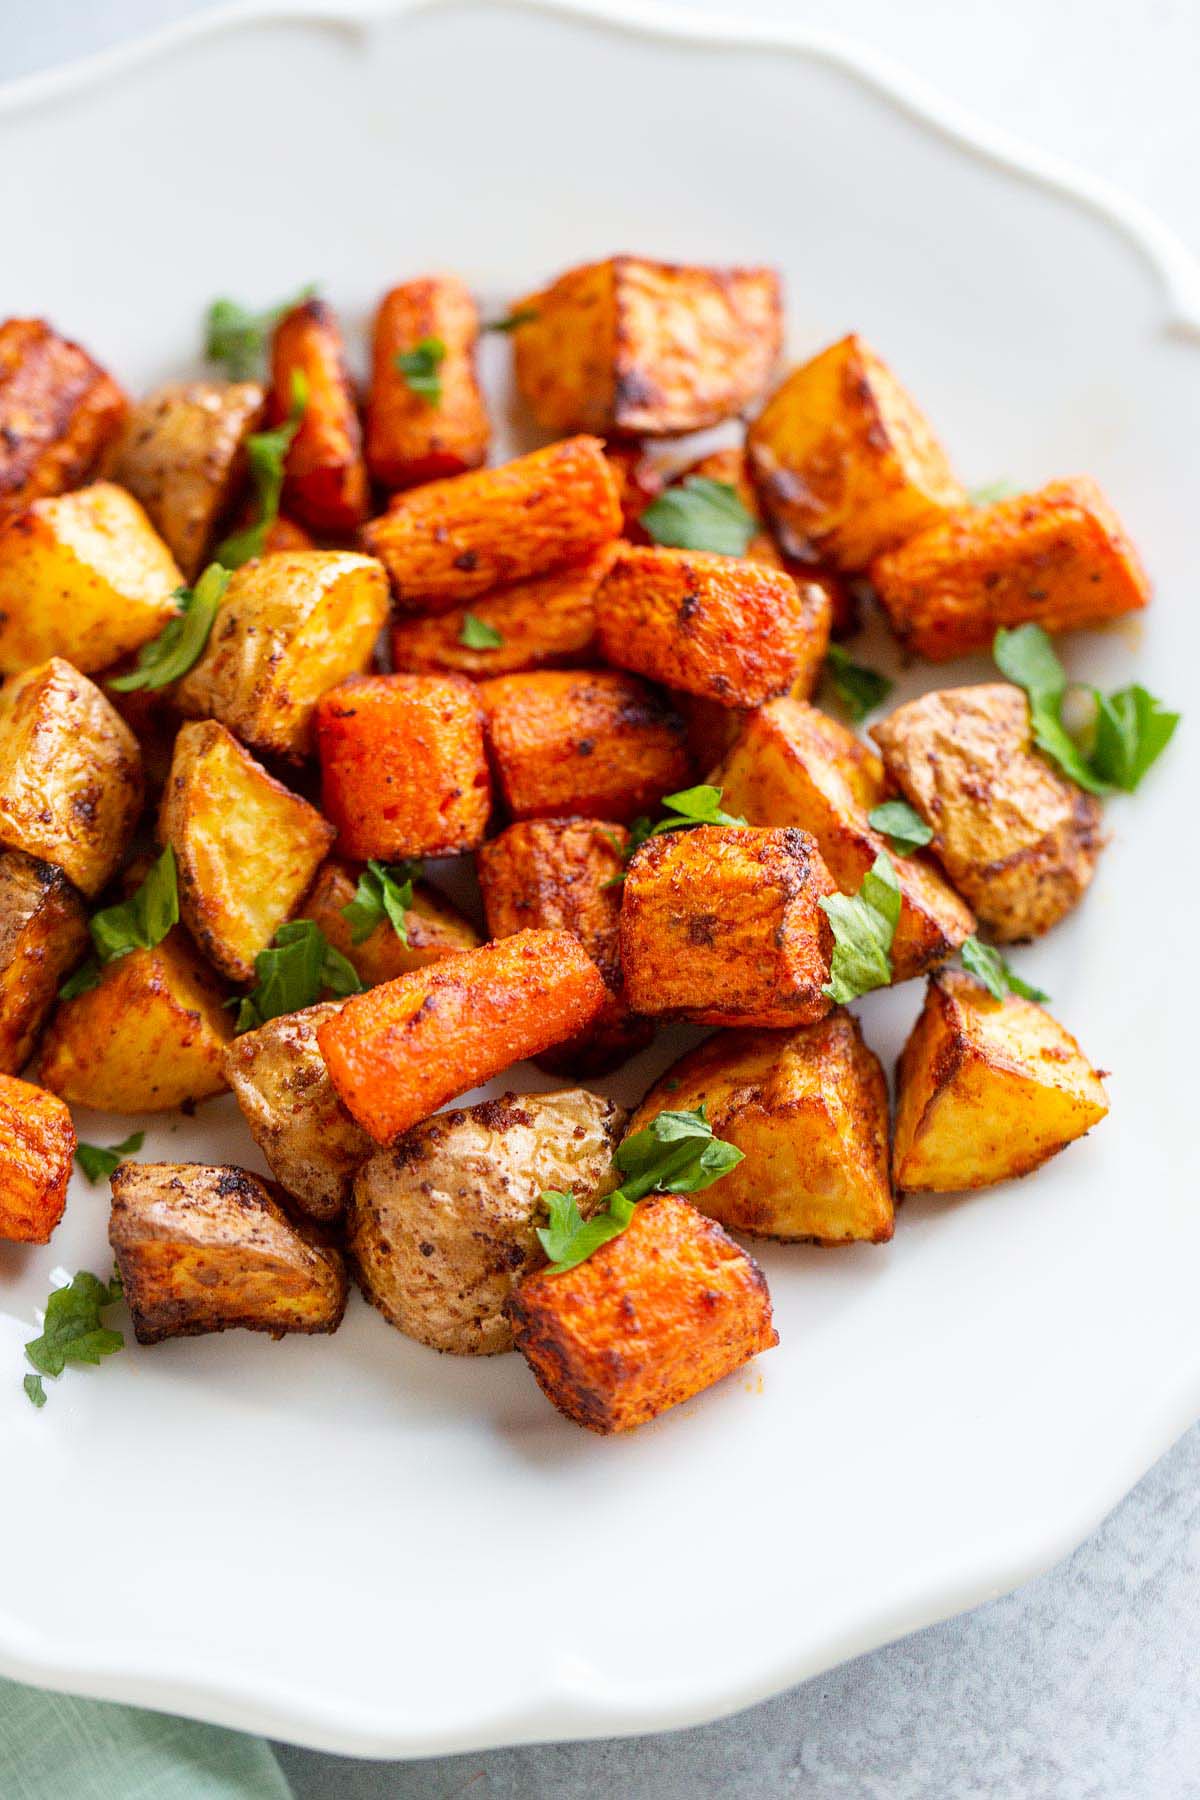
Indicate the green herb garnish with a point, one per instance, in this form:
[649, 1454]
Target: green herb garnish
[35, 1390]
[266, 454]
[421, 368]
[477, 634]
[521, 315]
[990, 492]
[864, 925]
[72, 1330]
[859, 689]
[183, 639]
[990, 967]
[384, 891]
[138, 923]
[98, 1162]
[691, 806]
[237, 337]
[904, 828]
[700, 514]
[292, 972]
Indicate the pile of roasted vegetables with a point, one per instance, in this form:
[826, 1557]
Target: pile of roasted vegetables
[266, 651]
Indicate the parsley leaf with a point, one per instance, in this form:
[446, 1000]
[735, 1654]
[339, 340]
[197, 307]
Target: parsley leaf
[96, 1161]
[72, 1330]
[384, 891]
[85, 978]
[521, 315]
[691, 806]
[1132, 731]
[420, 368]
[292, 972]
[700, 514]
[903, 827]
[34, 1388]
[142, 921]
[569, 1239]
[266, 453]
[477, 634]
[864, 925]
[183, 639]
[990, 492]
[859, 689]
[237, 337]
[990, 967]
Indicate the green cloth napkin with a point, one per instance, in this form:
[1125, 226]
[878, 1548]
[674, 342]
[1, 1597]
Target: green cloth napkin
[53, 1747]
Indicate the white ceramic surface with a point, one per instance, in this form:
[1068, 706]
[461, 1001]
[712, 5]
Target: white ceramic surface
[355, 1543]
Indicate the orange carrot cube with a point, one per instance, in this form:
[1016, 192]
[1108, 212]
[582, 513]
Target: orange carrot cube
[412, 437]
[37, 1145]
[58, 411]
[326, 480]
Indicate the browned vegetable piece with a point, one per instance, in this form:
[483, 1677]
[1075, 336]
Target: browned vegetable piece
[58, 409]
[43, 934]
[639, 482]
[434, 928]
[326, 478]
[37, 1144]
[411, 436]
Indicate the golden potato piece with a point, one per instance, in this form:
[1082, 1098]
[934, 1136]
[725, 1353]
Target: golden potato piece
[808, 1109]
[846, 463]
[291, 626]
[58, 409]
[434, 927]
[1017, 838]
[37, 1145]
[70, 774]
[634, 348]
[280, 1081]
[202, 1248]
[442, 1226]
[987, 1089]
[246, 848]
[151, 1037]
[43, 934]
[793, 765]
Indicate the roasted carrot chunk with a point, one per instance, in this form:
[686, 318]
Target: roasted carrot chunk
[58, 411]
[1058, 558]
[403, 766]
[414, 435]
[37, 1144]
[450, 541]
[651, 1318]
[326, 478]
[397, 1052]
[639, 481]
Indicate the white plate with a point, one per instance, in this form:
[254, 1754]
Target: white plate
[358, 1544]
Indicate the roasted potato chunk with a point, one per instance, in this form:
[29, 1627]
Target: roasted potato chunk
[987, 1089]
[182, 454]
[280, 1081]
[566, 873]
[1016, 838]
[448, 542]
[651, 1318]
[442, 1226]
[411, 437]
[630, 347]
[722, 925]
[58, 409]
[84, 576]
[403, 765]
[792, 765]
[325, 484]
[43, 934]
[202, 1248]
[846, 463]
[151, 1037]
[70, 774]
[1058, 558]
[434, 928]
[37, 1146]
[246, 848]
[290, 627]
[399, 1051]
[597, 743]
[808, 1109]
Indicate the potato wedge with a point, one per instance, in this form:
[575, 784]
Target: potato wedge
[442, 1226]
[1016, 838]
[43, 935]
[326, 483]
[651, 1318]
[435, 928]
[987, 1089]
[411, 436]
[291, 626]
[246, 848]
[58, 410]
[809, 1111]
[202, 1248]
[70, 774]
[37, 1147]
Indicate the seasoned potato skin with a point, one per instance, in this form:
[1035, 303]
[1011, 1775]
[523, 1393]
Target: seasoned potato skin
[443, 1225]
[404, 770]
[151, 1037]
[409, 439]
[326, 483]
[793, 765]
[809, 1111]
[282, 1086]
[398, 1052]
[599, 743]
[43, 935]
[37, 1146]
[181, 452]
[435, 928]
[1017, 839]
[651, 1318]
[722, 925]
[550, 873]
[58, 410]
[208, 1248]
[246, 848]
[1059, 558]
[630, 347]
[445, 544]
[845, 462]
[987, 1089]
[291, 626]
[70, 774]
